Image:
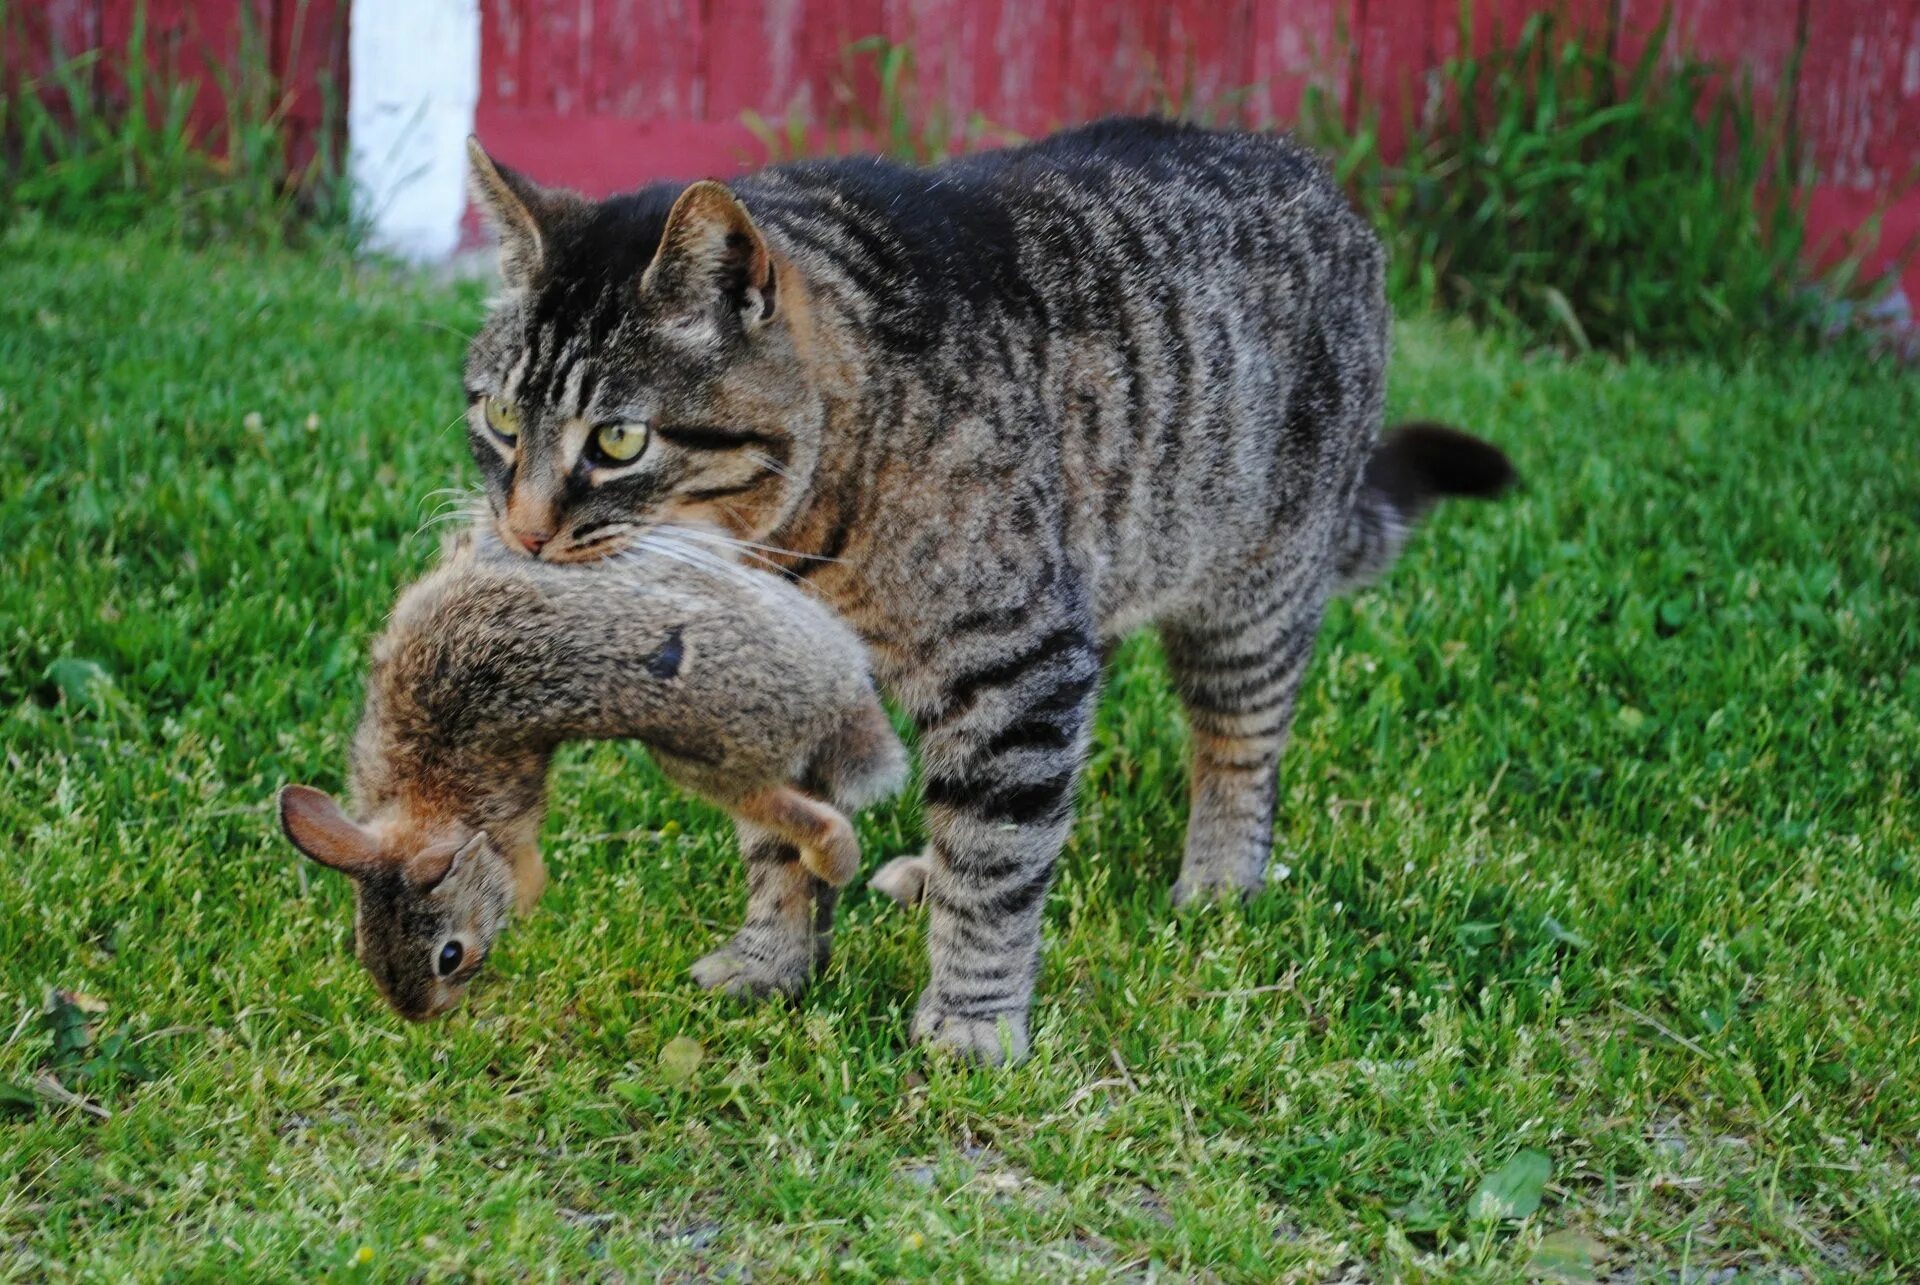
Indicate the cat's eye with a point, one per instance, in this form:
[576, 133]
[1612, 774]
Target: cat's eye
[502, 417]
[617, 443]
[450, 956]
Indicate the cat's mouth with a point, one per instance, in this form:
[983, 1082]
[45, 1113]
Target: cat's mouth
[588, 543]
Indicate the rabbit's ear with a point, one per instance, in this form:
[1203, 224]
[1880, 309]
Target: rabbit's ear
[437, 865]
[317, 826]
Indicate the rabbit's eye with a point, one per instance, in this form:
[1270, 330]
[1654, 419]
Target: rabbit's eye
[450, 956]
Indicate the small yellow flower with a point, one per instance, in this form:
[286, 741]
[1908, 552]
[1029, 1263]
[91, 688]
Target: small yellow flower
[912, 1241]
[363, 1255]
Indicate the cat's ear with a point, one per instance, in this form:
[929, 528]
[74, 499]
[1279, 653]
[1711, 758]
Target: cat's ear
[711, 253]
[317, 826]
[520, 212]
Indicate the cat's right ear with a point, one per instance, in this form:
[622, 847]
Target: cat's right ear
[519, 210]
[316, 825]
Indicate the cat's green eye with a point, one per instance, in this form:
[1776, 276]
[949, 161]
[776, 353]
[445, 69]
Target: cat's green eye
[619, 443]
[503, 418]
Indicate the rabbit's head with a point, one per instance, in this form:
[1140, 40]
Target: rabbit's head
[429, 901]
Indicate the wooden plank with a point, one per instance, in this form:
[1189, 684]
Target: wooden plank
[503, 51]
[1396, 48]
[1020, 61]
[310, 62]
[1114, 56]
[37, 36]
[1502, 20]
[1296, 43]
[644, 59]
[600, 155]
[1860, 91]
[1754, 41]
[554, 63]
[944, 36]
[1896, 149]
[1208, 61]
[190, 42]
[1859, 112]
[1002, 59]
[828, 73]
[752, 58]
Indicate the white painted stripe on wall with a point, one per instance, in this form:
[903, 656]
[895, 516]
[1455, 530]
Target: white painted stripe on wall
[413, 78]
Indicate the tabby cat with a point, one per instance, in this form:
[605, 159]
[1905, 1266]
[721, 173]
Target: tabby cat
[999, 414]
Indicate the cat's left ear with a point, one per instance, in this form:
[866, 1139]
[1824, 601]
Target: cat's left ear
[521, 213]
[712, 253]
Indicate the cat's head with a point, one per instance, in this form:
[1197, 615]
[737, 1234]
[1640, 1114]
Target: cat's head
[428, 906]
[642, 372]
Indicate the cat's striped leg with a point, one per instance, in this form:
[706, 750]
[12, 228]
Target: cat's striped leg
[1238, 678]
[789, 929]
[1000, 768]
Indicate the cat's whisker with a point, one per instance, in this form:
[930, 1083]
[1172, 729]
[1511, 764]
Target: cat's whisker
[669, 551]
[734, 542]
[459, 504]
[441, 510]
[430, 324]
[672, 541]
[740, 548]
[772, 465]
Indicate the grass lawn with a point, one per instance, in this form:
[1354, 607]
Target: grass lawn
[1599, 841]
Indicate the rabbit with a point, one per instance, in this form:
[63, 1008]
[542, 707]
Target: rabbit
[748, 693]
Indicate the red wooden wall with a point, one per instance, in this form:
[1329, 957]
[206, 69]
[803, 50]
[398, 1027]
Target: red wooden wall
[604, 94]
[196, 43]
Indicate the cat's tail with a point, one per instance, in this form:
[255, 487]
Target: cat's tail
[1413, 467]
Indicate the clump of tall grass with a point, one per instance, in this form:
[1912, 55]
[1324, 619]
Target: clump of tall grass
[1553, 189]
[74, 153]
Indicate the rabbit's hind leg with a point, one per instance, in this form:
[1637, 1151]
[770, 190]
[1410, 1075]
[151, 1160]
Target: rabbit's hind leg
[828, 847]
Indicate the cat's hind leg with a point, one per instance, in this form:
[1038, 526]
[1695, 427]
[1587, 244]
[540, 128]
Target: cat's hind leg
[1237, 674]
[824, 836]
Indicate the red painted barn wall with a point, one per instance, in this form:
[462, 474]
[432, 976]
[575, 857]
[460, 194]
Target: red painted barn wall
[197, 43]
[605, 94]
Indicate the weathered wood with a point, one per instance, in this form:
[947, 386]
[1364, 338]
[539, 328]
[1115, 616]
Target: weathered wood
[624, 89]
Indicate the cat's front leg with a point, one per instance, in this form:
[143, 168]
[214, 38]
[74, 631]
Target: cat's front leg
[1001, 758]
[788, 933]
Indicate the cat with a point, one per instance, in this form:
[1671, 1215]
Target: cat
[747, 693]
[999, 414]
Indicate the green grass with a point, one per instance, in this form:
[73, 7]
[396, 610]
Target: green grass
[1596, 200]
[1599, 819]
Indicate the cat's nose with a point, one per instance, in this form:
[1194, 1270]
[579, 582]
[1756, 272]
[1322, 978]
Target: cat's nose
[533, 541]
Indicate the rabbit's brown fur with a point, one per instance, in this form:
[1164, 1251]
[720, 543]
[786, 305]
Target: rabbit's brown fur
[747, 692]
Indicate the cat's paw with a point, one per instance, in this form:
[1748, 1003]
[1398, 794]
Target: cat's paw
[995, 1039]
[904, 879]
[733, 971]
[1213, 887]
